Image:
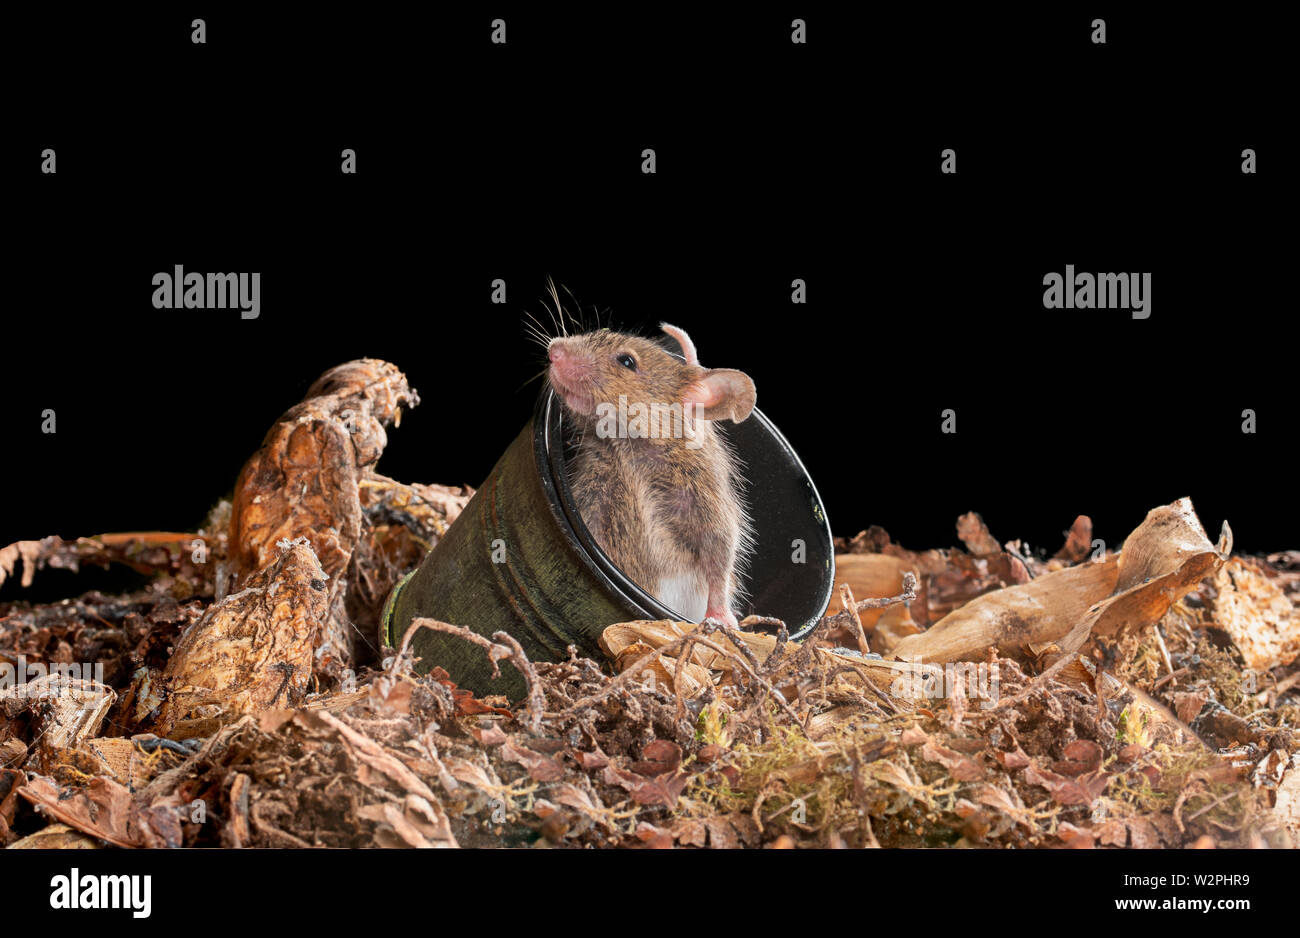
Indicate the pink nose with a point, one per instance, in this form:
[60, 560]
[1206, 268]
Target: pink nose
[555, 352]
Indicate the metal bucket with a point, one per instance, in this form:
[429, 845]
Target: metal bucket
[519, 559]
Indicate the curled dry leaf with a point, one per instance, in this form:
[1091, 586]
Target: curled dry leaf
[1143, 835]
[628, 642]
[1258, 616]
[1078, 541]
[108, 811]
[145, 552]
[1164, 558]
[1040, 611]
[1112, 833]
[56, 837]
[1077, 838]
[1068, 791]
[251, 651]
[962, 768]
[540, 768]
[304, 482]
[1167, 555]
[65, 710]
[974, 533]
[414, 822]
[659, 756]
[690, 832]
[1081, 756]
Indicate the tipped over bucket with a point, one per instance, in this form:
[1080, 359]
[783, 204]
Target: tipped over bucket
[520, 560]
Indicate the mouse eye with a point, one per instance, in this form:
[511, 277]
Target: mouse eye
[627, 361]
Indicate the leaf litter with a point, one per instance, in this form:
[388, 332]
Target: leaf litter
[989, 695]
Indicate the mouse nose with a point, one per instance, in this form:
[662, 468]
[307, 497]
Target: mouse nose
[555, 352]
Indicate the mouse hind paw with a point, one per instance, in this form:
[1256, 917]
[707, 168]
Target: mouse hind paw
[723, 615]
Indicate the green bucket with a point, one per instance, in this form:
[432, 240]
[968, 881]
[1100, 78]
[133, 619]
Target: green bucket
[520, 560]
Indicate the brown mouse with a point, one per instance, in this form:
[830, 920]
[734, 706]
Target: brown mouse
[654, 479]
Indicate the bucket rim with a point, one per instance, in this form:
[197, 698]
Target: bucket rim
[547, 427]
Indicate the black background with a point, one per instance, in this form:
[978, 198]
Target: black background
[775, 161]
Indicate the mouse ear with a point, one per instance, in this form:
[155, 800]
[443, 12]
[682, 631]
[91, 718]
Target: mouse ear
[722, 394]
[688, 347]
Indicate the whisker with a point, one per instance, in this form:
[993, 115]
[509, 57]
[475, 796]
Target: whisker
[530, 380]
[532, 320]
[578, 322]
[537, 335]
[555, 298]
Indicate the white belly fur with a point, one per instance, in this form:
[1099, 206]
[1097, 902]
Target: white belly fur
[687, 595]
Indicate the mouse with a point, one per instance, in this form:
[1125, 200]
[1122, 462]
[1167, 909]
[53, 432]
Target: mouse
[656, 482]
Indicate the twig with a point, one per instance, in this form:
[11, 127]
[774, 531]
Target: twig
[769, 621]
[536, 705]
[733, 637]
[1169, 677]
[1213, 804]
[842, 618]
[1283, 686]
[1164, 654]
[504, 648]
[1034, 685]
[695, 637]
[847, 605]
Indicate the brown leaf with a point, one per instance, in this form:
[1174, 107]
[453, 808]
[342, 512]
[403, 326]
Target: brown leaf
[912, 736]
[1132, 752]
[1078, 542]
[662, 790]
[709, 753]
[1258, 616]
[490, 735]
[974, 533]
[469, 705]
[304, 483]
[253, 650]
[962, 768]
[1143, 834]
[1078, 838]
[469, 773]
[1066, 791]
[658, 757]
[1082, 755]
[722, 836]
[1015, 759]
[583, 802]
[654, 838]
[106, 810]
[591, 761]
[690, 831]
[1188, 704]
[1113, 833]
[1006, 802]
[540, 768]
